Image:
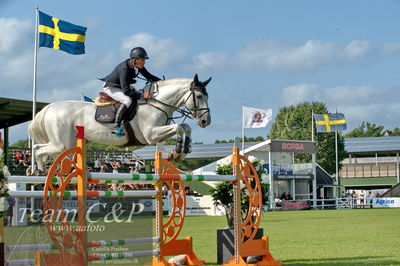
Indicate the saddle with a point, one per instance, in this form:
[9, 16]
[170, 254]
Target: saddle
[106, 108]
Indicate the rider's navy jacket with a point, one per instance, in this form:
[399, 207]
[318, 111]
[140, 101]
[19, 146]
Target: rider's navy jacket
[123, 75]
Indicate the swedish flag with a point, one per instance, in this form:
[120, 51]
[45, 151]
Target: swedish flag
[330, 122]
[61, 35]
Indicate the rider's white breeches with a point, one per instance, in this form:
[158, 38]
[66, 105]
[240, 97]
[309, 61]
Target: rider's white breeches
[118, 95]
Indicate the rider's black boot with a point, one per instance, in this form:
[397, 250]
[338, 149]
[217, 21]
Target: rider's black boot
[118, 117]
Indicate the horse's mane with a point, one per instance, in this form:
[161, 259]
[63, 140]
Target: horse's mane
[172, 81]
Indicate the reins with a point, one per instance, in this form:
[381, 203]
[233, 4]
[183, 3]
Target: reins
[184, 111]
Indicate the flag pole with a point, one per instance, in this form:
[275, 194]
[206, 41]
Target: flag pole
[34, 85]
[312, 125]
[337, 160]
[243, 129]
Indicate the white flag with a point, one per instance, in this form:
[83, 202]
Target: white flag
[256, 118]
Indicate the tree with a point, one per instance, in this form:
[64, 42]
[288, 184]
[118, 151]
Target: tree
[23, 143]
[367, 129]
[394, 132]
[294, 123]
[246, 139]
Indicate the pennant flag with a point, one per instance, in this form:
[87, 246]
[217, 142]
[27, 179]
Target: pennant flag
[256, 118]
[330, 122]
[61, 35]
[87, 99]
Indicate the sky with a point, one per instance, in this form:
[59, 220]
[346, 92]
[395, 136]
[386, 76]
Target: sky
[259, 53]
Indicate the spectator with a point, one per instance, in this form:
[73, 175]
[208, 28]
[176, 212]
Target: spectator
[28, 171]
[125, 160]
[104, 168]
[108, 158]
[283, 196]
[115, 166]
[369, 199]
[115, 170]
[289, 196]
[27, 158]
[187, 190]
[354, 196]
[362, 198]
[165, 191]
[138, 166]
[97, 165]
[11, 204]
[19, 160]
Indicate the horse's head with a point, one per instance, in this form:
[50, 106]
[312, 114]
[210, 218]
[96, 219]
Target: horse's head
[197, 102]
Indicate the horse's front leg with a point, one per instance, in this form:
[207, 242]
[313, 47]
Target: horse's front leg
[164, 132]
[187, 148]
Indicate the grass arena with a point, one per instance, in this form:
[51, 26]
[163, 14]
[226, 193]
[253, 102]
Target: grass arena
[326, 237]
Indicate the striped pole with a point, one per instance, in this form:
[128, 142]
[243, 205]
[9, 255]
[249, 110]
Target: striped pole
[122, 255]
[90, 244]
[20, 262]
[89, 193]
[110, 178]
[160, 177]
[56, 180]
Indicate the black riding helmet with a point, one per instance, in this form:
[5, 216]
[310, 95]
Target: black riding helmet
[139, 52]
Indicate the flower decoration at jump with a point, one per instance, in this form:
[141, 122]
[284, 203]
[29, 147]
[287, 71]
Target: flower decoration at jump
[222, 194]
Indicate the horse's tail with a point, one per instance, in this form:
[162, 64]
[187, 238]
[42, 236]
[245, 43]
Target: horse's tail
[37, 129]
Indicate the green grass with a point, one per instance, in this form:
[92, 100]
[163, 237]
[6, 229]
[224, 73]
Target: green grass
[327, 237]
[199, 187]
[330, 237]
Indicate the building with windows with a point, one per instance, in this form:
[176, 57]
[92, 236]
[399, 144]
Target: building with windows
[373, 163]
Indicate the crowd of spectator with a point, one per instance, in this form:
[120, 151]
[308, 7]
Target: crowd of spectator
[22, 158]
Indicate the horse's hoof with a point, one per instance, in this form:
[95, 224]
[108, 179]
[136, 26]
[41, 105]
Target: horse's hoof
[172, 155]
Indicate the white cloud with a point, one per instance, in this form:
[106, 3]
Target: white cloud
[353, 94]
[209, 62]
[300, 93]
[15, 33]
[165, 52]
[391, 48]
[356, 49]
[278, 56]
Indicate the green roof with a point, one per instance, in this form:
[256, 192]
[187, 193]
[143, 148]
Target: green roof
[14, 112]
[376, 181]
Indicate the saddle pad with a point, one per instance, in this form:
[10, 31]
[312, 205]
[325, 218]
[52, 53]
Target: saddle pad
[103, 102]
[105, 114]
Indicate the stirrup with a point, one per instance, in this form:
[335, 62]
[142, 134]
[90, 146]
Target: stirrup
[118, 130]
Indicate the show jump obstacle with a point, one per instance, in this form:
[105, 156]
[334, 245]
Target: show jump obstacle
[72, 246]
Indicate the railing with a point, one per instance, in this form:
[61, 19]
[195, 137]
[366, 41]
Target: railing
[336, 203]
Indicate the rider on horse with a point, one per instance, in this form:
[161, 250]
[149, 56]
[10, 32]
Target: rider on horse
[117, 84]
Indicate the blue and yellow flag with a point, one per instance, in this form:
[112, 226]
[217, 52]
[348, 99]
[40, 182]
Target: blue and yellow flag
[61, 35]
[330, 122]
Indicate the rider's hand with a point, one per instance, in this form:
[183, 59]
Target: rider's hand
[138, 95]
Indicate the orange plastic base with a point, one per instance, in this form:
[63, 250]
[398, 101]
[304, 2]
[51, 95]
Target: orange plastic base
[191, 259]
[178, 247]
[266, 260]
[259, 247]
